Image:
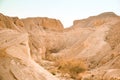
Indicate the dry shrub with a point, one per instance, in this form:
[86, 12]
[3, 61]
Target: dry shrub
[71, 66]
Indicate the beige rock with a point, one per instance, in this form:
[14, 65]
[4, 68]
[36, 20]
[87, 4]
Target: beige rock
[15, 53]
[45, 22]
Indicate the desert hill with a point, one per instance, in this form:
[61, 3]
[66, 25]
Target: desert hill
[40, 48]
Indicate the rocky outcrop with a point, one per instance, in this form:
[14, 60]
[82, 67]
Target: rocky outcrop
[45, 23]
[39, 31]
[95, 21]
[15, 53]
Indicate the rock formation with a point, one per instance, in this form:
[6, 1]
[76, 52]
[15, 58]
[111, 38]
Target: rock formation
[89, 50]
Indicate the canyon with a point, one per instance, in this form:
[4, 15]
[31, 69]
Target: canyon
[40, 48]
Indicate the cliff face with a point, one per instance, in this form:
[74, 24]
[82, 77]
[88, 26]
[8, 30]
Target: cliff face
[43, 22]
[26, 43]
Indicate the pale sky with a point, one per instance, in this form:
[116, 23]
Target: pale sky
[64, 10]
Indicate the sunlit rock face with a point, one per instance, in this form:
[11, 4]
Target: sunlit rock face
[16, 61]
[26, 43]
[44, 22]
